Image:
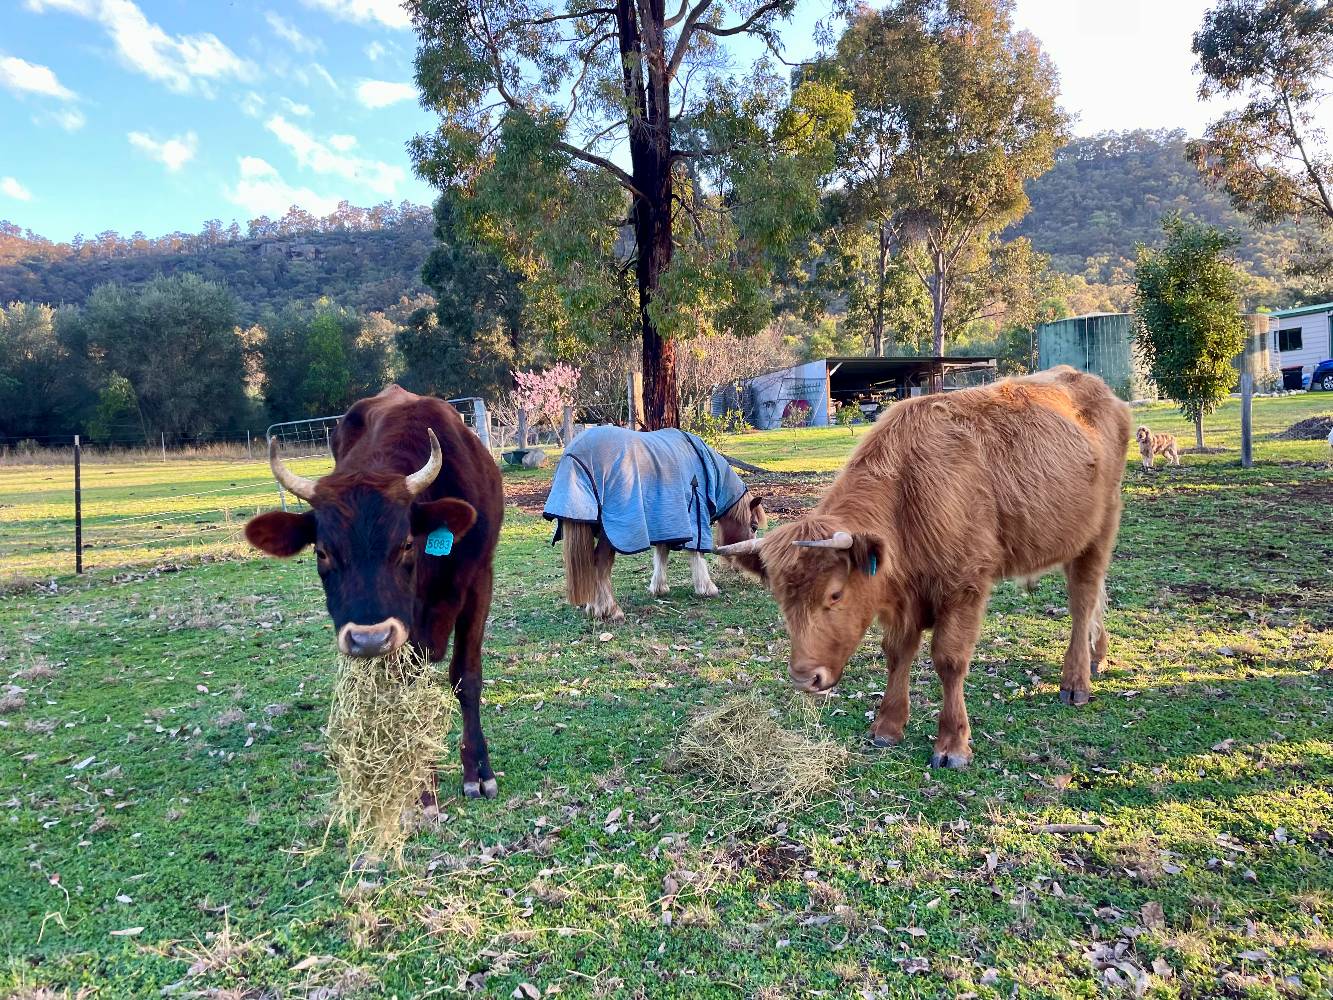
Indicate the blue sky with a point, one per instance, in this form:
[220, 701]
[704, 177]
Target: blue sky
[156, 115]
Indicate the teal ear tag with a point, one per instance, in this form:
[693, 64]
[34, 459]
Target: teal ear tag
[439, 542]
[874, 565]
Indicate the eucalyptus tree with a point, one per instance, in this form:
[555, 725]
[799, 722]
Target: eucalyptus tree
[588, 139]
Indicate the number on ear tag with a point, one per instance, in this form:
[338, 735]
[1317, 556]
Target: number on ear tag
[439, 542]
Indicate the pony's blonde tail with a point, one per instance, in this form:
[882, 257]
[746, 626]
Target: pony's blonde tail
[580, 566]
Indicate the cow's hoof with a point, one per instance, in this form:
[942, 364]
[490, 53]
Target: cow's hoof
[880, 742]
[659, 591]
[710, 592]
[490, 788]
[472, 789]
[1076, 697]
[953, 761]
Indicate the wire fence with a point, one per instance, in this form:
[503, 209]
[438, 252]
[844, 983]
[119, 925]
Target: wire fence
[65, 507]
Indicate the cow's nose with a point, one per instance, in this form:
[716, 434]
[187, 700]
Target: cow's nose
[374, 640]
[811, 678]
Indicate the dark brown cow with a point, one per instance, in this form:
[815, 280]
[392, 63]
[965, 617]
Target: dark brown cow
[945, 496]
[405, 466]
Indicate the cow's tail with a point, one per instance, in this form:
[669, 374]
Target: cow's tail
[580, 565]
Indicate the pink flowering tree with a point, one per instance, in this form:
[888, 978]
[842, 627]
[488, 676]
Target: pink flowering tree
[545, 394]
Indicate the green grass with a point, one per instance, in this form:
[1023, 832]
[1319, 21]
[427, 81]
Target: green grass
[1206, 757]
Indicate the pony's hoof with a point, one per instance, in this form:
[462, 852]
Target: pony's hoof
[472, 789]
[490, 788]
[880, 742]
[1076, 697]
[954, 761]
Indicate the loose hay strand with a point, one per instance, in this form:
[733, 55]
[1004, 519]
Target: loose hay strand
[743, 740]
[388, 722]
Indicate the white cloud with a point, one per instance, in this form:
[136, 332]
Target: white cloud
[324, 75]
[374, 51]
[262, 191]
[389, 13]
[11, 187]
[324, 158]
[183, 63]
[291, 34]
[172, 153]
[302, 110]
[23, 77]
[342, 143]
[382, 93]
[70, 118]
[252, 104]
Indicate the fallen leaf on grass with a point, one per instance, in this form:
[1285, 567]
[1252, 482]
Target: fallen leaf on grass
[1152, 916]
[128, 932]
[1254, 956]
[528, 991]
[310, 962]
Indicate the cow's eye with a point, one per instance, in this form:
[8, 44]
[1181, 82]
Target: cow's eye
[321, 555]
[835, 597]
[407, 546]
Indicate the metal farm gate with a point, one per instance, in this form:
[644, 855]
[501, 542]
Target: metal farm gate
[313, 438]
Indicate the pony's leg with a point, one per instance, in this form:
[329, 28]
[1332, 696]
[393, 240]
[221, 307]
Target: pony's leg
[604, 604]
[703, 583]
[657, 586]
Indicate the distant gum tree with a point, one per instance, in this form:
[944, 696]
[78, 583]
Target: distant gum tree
[588, 139]
[954, 111]
[1189, 326]
[1269, 154]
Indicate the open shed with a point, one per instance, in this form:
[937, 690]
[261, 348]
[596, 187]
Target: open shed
[824, 384]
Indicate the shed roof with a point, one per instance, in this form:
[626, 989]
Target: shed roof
[1303, 310]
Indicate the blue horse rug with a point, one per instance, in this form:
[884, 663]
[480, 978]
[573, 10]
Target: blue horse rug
[656, 488]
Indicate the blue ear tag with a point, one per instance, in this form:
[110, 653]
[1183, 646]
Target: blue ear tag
[439, 542]
[874, 565]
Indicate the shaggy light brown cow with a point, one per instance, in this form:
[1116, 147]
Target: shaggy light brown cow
[945, 496]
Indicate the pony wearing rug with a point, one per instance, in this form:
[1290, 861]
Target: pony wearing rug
[622, 491]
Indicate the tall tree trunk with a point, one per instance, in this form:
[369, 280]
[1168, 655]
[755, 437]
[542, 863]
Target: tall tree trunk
[881, 279]
[937, 301]
[1198, 432]
[650, 160]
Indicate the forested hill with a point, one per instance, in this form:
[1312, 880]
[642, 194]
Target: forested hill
[1108, 192]
[367, 262]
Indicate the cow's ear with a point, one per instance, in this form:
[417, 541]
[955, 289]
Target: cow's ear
[867, 553]
[456, 515]
[280, 533]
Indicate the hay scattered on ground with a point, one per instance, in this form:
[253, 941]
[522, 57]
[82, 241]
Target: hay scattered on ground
[744, 741]
[388, 724]
[1314, 428]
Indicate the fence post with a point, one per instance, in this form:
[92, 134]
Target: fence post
[567, 427]
[164, 447]
[328, 441]
[631, 411]
[78, 508]
[248, 452]
[1246, 402]
[522, 428]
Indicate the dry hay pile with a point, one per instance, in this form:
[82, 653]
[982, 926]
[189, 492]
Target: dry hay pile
[388, 722]
[744, 741]
[1314, 428]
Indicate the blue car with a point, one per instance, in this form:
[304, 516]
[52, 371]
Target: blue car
[1322, 376]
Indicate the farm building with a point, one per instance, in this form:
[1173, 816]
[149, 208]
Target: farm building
[821, 386]
[1103, 343]
[1302, 337]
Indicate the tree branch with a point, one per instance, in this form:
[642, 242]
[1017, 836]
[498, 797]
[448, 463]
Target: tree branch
[683, 42]
[573, 15]
[600, 161]
[759, 12]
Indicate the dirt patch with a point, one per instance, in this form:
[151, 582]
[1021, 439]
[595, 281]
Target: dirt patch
[1320, 494]
[1201, 592]
[770, 862]
[1314, 428]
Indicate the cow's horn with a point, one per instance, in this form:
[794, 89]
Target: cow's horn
[840, 540]
[740, 548]
[296, 485]
[424, 476]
